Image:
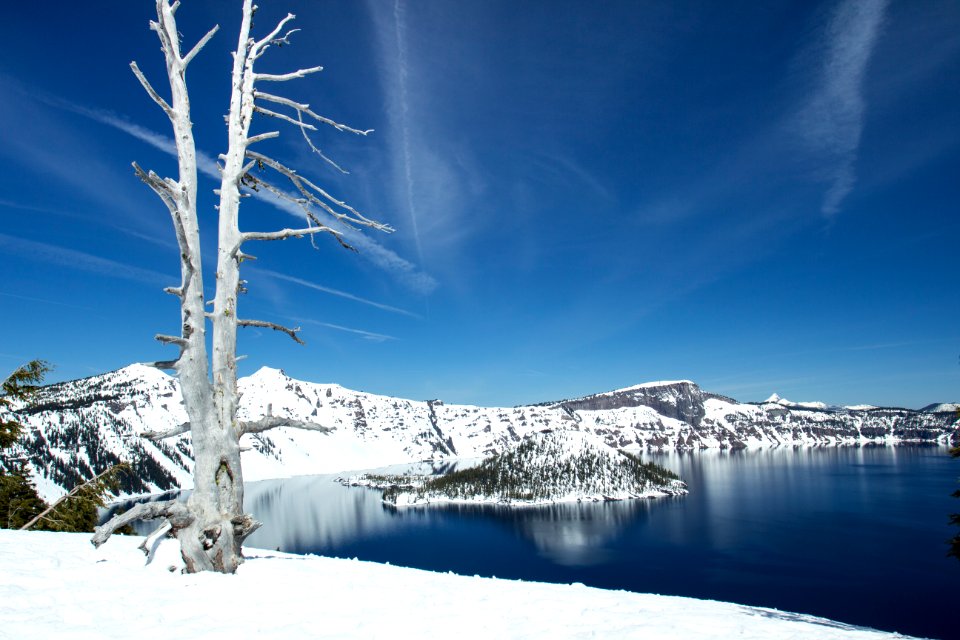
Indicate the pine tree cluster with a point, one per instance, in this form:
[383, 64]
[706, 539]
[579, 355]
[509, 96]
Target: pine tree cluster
[20, 504]
[540, 469]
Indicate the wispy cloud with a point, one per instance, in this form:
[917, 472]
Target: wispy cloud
[205, 163]
[44, 301]
[831, 122]
[80, 261]
[366, 335]
[431, 175]
[403, 72]
[334, 292]
[403, 270]
[166, 242]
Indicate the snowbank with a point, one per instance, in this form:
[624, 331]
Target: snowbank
[56, 585]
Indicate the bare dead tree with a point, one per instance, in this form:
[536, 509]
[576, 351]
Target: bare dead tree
[212, 525]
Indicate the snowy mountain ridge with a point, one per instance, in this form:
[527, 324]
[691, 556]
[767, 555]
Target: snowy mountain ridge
[82, 426]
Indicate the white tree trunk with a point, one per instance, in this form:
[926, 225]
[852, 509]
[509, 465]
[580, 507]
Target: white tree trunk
[212, 526]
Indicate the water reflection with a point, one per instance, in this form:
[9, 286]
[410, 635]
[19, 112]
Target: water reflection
[569, 534]
[318, 514]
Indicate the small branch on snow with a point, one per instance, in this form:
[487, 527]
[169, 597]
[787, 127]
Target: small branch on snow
[76, 490]
[175, 512]
[149, 544]
[272, 325]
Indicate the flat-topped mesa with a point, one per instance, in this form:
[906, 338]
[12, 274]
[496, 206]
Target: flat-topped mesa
[680, 399]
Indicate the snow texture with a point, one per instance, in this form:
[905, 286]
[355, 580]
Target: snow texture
[56, 585]
[90, 423]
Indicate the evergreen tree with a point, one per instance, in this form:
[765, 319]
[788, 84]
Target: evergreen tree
[20, 505]
[17, 387]
[19, 501]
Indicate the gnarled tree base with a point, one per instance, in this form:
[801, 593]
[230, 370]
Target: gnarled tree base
[210, 546]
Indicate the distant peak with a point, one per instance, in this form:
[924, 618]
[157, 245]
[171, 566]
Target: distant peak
[142, 370]
[658, 383]
[795, 405]
[269, 372]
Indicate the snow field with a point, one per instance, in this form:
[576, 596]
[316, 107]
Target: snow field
[56, 585]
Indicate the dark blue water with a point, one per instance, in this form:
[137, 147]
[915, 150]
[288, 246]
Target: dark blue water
[853, 534]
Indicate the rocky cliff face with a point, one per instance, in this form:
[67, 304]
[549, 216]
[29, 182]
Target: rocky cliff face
[681, 400]
[77, 428]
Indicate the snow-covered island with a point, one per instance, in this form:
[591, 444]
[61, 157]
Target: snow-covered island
[544, 468]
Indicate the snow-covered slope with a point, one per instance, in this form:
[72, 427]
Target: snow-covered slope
[56, 585]
[941, 407]
[89, 424]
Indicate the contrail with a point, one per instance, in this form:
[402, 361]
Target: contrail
[402, 74]
[78, 260]
[833, 120]
[334, 292]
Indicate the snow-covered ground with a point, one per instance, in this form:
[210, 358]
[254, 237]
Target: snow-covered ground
[56, 585]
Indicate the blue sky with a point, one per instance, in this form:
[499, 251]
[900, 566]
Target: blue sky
[760, 197]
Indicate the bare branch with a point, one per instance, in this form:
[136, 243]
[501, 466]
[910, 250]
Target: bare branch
[73, 493]
[176, 513]
[177, 340]
[164, 365]
[280, 116]
[151, 91]
[263, 136]
[174, 291]
[169, 433]
[262, 45]
[285, 39]
[306, 136]
[313, 193]
[149, 544]
[160, 187]
[283, 234]
[272, 325]
[283, 77]
[197, 47]
[305, 108]
[271, 422]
